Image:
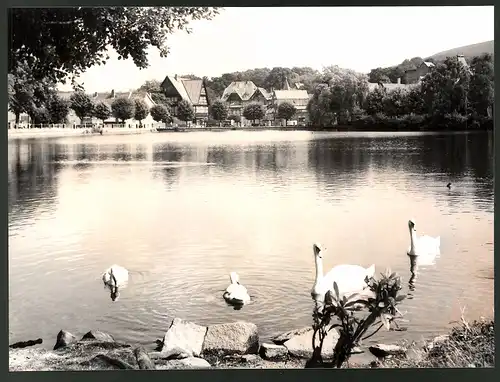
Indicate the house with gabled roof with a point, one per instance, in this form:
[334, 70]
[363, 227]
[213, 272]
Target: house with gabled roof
[295, 97]
[239, 94]
[413, 76]
[193, 91]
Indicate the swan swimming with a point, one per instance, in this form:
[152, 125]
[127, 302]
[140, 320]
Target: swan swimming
[113, 278]
[349, 278]
[235, 293]
[424, 246]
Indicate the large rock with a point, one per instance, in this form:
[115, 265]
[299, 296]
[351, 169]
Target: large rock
[233, 338]
[282, 338]
[184, 337]
[382, 350]
[301, 344]
[97, 335]
[143, 359]
[186, 363]
[79, 355]
[272, 352]
[64, 338]
[436, 341]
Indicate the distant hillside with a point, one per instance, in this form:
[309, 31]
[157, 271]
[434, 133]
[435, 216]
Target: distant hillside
[468, 51]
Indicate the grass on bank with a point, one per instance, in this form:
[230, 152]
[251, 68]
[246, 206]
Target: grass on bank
[468, 345]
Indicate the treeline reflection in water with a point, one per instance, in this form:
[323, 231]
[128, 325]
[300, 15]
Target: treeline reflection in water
[352, 188]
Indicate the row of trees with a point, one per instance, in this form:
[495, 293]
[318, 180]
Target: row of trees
[219, 111]
[449, 90]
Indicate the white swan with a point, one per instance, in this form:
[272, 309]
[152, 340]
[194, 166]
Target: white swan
[349, 278]
[235, 293]
[113, 278]
[424, 247]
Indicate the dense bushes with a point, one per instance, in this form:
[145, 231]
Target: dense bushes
[451, 97]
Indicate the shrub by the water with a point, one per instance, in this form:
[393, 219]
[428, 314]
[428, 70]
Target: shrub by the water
[468, 345]
[354, 316]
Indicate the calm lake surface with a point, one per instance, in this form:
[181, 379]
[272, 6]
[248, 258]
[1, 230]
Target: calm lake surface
[182, 210]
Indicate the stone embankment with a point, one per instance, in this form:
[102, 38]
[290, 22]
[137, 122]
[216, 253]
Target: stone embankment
[186, 345]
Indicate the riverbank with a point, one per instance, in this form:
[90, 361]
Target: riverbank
[57, 132]
[187, 345]
[61, 133]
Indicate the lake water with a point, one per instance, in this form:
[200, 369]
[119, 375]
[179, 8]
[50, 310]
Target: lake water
[182, 210]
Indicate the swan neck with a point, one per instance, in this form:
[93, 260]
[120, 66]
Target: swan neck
[319, 268]
[413, 238]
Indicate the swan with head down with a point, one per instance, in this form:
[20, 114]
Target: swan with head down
[350, 278]
[235, 293]
[113, 278]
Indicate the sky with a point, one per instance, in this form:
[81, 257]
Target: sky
[358, 38]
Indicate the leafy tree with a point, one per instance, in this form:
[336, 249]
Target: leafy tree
[346, 89]
[40, 115]
[254, 111]
[58, 110]
[379, 75]
[26, 93]
[218, 110]
[151, 86]
[67, 41]
[444, 88]
[102, 111]
[318, 107]
[160, 113]
[185, 111]
[374, 102]
[393, 103]
[81, 104]
[338, 312]
[277, 77]
[481, 94]
[123, 109]
[413, 102]
[141, 110]
[286, 111]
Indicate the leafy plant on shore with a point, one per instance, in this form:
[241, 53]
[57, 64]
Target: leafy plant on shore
[354, 316]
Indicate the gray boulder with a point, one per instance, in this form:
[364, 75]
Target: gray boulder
[186, 363]
[282, 338]
[272, 352]
[97, 335]
[184, 337]
[233, 338]
[64, 338]
[143, 360]
[382, 350]
[301, 345]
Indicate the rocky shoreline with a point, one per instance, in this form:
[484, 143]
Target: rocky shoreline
[187, 345]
